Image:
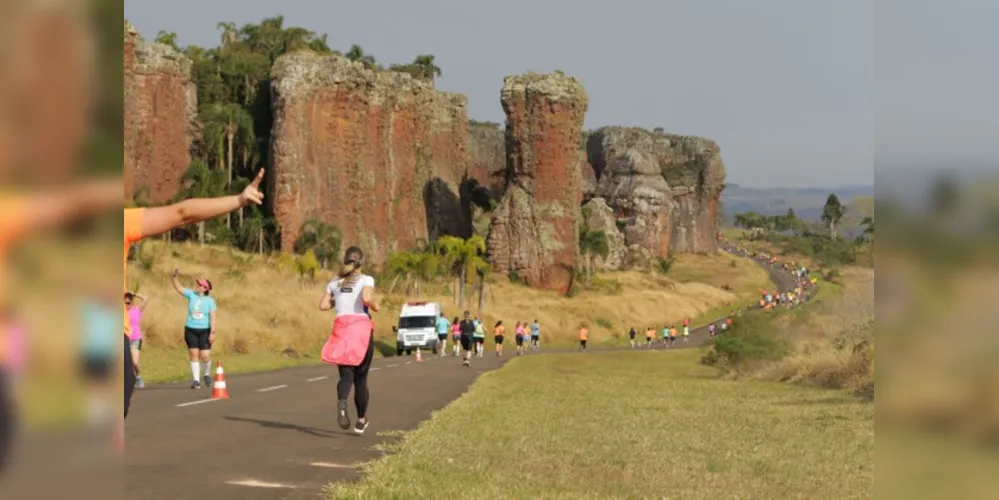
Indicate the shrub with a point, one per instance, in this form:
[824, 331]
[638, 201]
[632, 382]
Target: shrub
[665, 264]
[605, 323]
[750, 340]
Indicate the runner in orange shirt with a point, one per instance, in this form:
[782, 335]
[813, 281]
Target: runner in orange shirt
[144, 222]
[583, 334]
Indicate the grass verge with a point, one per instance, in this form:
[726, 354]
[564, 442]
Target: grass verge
[630, 425]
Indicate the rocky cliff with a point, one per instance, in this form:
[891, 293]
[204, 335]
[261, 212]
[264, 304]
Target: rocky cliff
[663, 189]
[534, 231]
[378, 155]
[160, 117]
[487, 157]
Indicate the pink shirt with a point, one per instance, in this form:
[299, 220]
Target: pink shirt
[135, 322]
[12, 335]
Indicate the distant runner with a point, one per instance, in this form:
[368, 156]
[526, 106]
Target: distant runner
[456, 336]
[519, 337]
[443, 327]
[535, 335]
[480, 338]
[583, 334]
[467, 327]
[135, 338]
[498, 332]
[631, 337]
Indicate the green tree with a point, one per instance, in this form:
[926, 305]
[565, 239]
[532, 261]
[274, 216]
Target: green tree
[832, 213]
[591, 244]
[356, 53]
[868, 225]
[468, 257]
[200, 181]
[428, 69]
[167, 38]
[229, 122]
[324, 240]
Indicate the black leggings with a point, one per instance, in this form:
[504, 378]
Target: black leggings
[357, 377]
[129, 376]
[6, 420]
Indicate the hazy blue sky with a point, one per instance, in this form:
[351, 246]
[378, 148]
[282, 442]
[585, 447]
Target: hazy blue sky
[786, 87]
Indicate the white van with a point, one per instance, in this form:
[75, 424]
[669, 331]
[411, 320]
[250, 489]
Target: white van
[417, 327]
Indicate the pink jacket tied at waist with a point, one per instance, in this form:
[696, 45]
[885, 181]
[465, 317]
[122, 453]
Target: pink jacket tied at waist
[348, 343]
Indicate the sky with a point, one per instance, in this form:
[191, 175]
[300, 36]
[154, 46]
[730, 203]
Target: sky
[797, 93]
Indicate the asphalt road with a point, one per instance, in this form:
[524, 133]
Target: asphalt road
[277, 436]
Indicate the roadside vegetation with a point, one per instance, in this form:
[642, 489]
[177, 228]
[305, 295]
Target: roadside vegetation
[631, 425]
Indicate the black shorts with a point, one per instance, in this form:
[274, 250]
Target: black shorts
[480, 340]
[582, 343]
[466, 342]
[519, 339]
[197, 338]
[535, 339]
[498, 339]
[98, 367]
[442, 337]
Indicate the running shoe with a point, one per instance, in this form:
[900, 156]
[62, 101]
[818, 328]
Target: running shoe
[195, 385]
[466, 363]
[341, 415]
[359, 428]
[139, 384]
[208, 381]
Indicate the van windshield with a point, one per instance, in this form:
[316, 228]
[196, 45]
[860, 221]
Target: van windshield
[417, 322]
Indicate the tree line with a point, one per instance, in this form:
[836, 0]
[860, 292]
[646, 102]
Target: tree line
[797, 236]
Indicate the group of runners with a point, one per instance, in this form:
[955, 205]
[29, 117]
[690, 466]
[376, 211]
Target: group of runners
[468, 336]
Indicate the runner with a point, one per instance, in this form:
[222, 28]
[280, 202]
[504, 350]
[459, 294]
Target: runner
[686, 333]
[650, 335]
[631, 337]
[456, 336]
[145, 222]
[672, 336]
[666, 336]
[351, 345]
[535, 335]
[498, 332]
[467, 327]
[583, 334]
[199, 327]
[519, 337]
[711, 329]
[135, 338]
[480, 338]
[443, 326]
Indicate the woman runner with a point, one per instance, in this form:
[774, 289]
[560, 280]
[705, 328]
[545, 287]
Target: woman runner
[456, 336]
[498, 332]
[480, 338]
[199, 328]
[467, 327]
[519, 337]
[135, 338]
[443, 327]
[583, 334]
[631, 337]
[351, 345]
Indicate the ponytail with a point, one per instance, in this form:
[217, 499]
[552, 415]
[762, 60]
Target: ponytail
[353, 258]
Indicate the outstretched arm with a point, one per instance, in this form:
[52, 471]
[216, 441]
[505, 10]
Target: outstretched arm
[162, 219]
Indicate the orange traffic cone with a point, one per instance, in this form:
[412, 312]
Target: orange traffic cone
[219, 390]
[419, 357]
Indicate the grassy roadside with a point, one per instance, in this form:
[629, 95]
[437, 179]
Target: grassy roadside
[631, 425]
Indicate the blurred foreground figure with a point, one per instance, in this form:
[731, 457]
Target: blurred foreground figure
[25, 214]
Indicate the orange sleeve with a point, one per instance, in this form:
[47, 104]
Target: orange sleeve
[133, 224]
[12, 221]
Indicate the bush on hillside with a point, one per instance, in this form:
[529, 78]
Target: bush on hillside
[751, 340]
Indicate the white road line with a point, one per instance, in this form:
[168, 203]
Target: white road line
[409, 362]
[317, 379]
[373, 369]
[192, 403]
[259, 484]
[276, 387]
[391, 366]
[329, 465]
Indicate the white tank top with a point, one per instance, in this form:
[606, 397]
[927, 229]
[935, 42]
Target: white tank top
[347, 296]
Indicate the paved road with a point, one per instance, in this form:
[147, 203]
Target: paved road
[277, 437]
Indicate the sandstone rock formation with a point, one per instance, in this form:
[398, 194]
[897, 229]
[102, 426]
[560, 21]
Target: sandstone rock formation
[487, 157]
[663, 188]
[534, 231]
[378, 155]
[160, 115]
[598, 216]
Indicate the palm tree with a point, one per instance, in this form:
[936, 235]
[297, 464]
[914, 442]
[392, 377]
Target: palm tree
[230, 35]
[230, 121]
[252, 230]
[322, 239]
[467, 256]
[592, 243]
[199, 181]
[427, 69]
